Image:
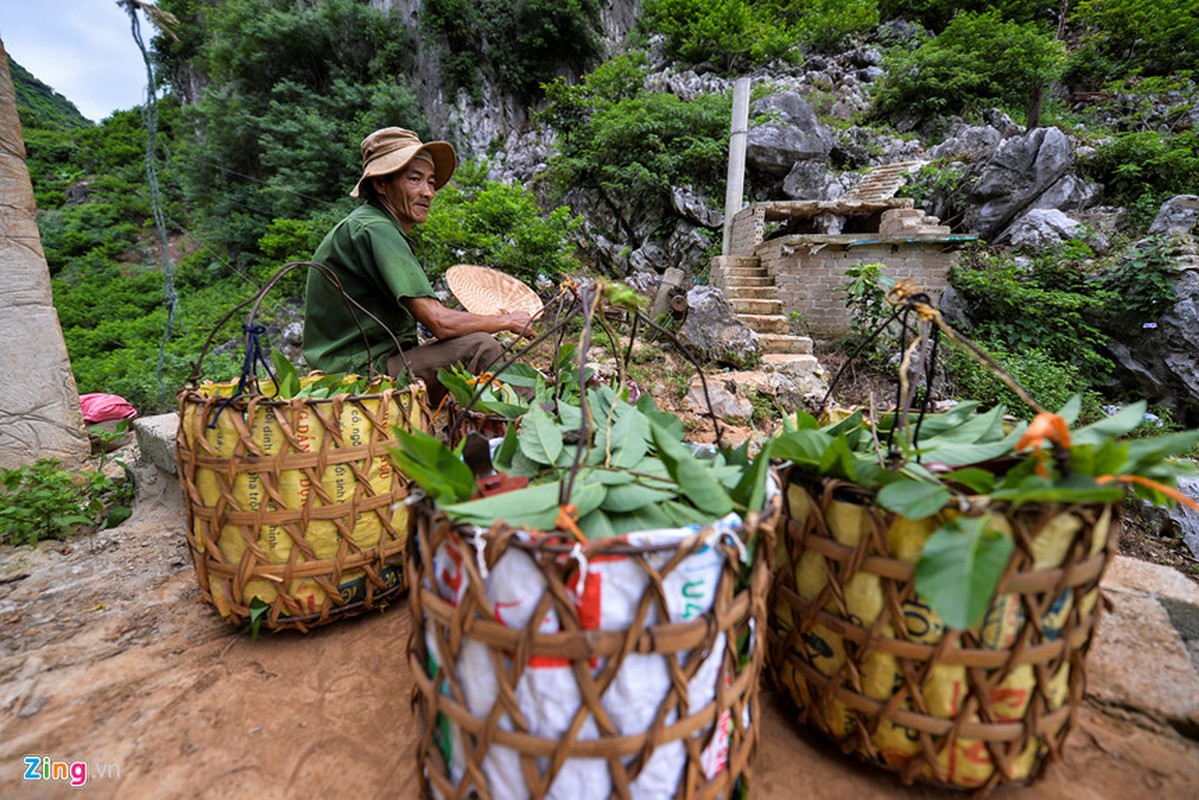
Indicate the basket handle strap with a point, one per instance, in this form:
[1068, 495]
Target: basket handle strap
[252, 331]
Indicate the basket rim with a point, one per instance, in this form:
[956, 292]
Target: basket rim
[561, 543]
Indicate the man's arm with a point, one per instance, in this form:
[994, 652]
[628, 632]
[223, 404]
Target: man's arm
[446, 323]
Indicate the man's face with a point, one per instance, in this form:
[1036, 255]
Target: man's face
[409, 192]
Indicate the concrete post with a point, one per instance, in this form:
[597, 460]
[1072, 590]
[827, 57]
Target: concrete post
[739, 133]
[39, 404]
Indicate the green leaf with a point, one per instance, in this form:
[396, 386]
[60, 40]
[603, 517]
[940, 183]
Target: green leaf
[633, 496]
[696, 483]
[287, 381]
[979, 481]
[682, 515]
[1074, 489]
[966, 453]
[666, 421]
[646, 518]
[805, 447]
[1109, 428]
[851, 423]
[434, 467]
[517, 374]
[1070, 411]
[960, 568]
[507, 448]
[630, 437]
[571, 415]
[802, 421]
[750, 491]
[1144, 452]
[597, 525]
[913, 499]
[533, 507]
[540, 438]
[258, 610]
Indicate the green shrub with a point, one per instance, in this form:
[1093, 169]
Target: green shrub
[1139, 163]
[295, 87]
[44, 501]
[937, 14]
[735, 35]
[866, 299]
[1142, 285]
[634, 146]
[979, 60]
[1147, 37]
[1048, 306]
[1047, 380]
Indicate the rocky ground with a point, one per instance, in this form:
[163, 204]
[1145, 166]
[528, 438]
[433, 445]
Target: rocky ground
[109, 656]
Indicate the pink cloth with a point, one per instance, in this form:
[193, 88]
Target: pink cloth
[100, 407]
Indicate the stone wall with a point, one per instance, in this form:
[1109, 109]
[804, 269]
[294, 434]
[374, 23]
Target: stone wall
[808, 269]
[39, 404]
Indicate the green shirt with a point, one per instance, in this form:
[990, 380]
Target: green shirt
[373, 259]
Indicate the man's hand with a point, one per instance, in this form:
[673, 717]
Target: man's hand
[520, 323]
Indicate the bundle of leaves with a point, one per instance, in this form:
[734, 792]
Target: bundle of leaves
[495, 394]
[981, 463]
[287, 383]
[625, 468]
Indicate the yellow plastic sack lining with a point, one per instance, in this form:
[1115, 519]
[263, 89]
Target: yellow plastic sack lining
[294, 502]
[856, 706]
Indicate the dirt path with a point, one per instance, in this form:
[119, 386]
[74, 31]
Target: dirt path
[108, 655]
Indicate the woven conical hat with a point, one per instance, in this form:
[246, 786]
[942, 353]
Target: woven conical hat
[487, 291]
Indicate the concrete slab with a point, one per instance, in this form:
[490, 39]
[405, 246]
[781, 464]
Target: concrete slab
[156, 440]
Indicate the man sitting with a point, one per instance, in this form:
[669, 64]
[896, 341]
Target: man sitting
[371, 255]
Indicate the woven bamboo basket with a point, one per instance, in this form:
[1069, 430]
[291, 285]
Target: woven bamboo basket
[620, 668]
[295, 502]
[871, 666]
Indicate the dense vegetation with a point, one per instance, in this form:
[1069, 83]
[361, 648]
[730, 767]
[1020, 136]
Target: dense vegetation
[265, 101]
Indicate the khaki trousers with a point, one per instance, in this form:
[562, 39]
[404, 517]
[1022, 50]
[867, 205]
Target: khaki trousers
[474, 351]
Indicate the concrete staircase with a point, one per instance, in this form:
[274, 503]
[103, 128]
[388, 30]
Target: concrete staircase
[754, 298]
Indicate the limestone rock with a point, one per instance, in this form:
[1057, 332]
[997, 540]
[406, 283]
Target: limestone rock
[1020, 171]
[1178, 216]
[1041, 228]
[712, 331]
[1167, 690]
[1158, 361]
[726, 403]
[969, 143]
[797, 135]
[692, 206]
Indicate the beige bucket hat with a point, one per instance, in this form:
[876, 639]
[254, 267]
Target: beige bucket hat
[390, 149]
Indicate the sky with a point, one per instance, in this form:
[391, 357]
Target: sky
[82, 49]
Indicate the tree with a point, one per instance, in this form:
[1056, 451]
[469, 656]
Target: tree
[978, 60]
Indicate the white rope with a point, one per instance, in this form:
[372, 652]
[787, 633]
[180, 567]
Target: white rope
[581, 583]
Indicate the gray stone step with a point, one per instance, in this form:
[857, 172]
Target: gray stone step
[752, 293]
[735, 283]
[784, 343]
[746, 272]
[792, 363]
[766, 323]
[748, 306]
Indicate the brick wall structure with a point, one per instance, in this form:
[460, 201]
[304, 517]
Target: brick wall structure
[808, 268]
